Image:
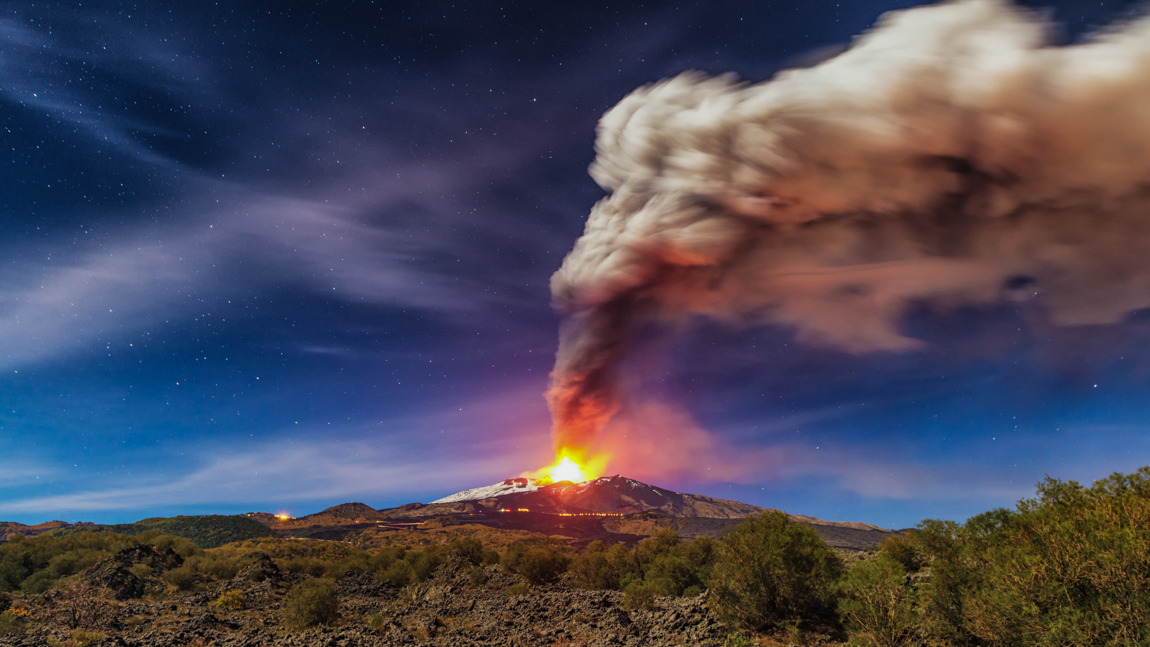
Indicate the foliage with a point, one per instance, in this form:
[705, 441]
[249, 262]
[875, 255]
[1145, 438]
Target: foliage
[771, 571]
[201, 531]
[639, 595]
[13, 621]
[600, 568]
[663, 563]
[875, 605]
[79, 603]
[311, 602]
[231, 600]
[34, 565]
[539, 563]
[469, 548]
[1069, 567]
[85, 637]
[207, 531]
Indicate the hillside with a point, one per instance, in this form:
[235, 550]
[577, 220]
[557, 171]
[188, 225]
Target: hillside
[205, 531]
[612, 509]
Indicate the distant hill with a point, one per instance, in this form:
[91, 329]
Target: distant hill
[10, 528]
[340, 515]
[610, 495]
[205, 531]
[614, 506]
[613, 509]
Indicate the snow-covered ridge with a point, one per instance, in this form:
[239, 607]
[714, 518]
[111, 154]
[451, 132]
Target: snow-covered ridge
[506, 486]
[511, 486]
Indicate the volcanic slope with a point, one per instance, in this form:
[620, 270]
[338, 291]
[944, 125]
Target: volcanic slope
[620, 506]
[610, 495]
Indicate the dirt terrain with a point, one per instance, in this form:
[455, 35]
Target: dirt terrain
[460, 605]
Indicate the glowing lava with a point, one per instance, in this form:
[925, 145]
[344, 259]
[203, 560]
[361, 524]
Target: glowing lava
[566, 470]
[571, 465]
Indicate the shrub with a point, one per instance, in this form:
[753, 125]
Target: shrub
[593, 569]
[1070, 567]
[476, 576]
[81, 603]
[183, 577]
[310, 603]
[85, 637]
[13, 621]
[539, 564]
[399, 574]
[771, 571]
[639, 595]
[423, 563]
[468, 548]
[877, 606]
[231, 600]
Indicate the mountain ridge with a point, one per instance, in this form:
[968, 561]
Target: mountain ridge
[612, 509]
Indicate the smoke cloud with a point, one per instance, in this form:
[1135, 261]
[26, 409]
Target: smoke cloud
[951, 156]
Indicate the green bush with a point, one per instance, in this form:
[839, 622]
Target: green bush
[423, 563]
[231, 600]
[182, 577]
[540, 564]
[876, 605]
[594, 569]
[663, 563]
[1069, 567]
[13, 621]
[468, 548]
[771, 571]
[639, 595]
[311, 602]
[398, 573]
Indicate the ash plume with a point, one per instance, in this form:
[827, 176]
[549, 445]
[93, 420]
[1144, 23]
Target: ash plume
[951, 156]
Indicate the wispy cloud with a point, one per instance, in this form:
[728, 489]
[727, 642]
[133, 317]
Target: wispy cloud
[289, 472]
[15, 472]
[114, 288]
[423, 455]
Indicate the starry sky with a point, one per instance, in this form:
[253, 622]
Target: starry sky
[280, 256]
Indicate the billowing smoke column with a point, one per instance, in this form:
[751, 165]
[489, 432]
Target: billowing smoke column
[950, 157]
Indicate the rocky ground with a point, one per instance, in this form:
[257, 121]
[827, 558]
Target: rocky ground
[460, 605]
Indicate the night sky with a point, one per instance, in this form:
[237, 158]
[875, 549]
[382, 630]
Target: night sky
[280, 256]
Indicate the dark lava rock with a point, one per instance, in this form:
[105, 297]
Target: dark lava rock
[113, 572]
[263, 568]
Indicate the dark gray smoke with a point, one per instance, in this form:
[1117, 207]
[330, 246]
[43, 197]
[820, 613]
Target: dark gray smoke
[951, 156]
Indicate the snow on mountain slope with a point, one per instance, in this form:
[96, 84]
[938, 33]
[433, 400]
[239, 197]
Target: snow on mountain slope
[506, 486]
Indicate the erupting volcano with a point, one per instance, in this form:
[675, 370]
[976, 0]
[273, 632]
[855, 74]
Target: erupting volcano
[570, 465]
[977, 164]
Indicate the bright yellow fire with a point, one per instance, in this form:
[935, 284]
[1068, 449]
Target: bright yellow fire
[571, 465]
[566, 470]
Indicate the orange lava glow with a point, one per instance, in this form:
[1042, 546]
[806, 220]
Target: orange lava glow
[571, 465]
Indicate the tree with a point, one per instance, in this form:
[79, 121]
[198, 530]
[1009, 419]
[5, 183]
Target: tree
[877, 606]
[310, 603]
[771, 571]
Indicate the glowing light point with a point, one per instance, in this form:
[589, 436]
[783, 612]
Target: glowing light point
[571, 465]
[566, 470]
